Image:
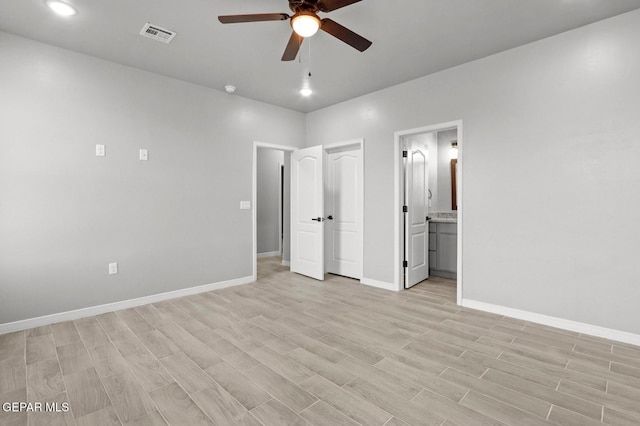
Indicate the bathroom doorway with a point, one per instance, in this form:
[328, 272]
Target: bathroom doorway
[428, 215]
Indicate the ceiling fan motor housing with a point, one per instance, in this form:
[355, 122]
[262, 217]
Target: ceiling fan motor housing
[309, 6]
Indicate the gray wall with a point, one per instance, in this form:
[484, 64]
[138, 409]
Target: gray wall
[550, 174]
[286, 243]
[432, 153]
[268, 199]
[172, 222]
[444, 170]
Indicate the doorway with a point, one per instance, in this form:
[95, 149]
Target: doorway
[327, 212]
[270, 197]
[274, 231]
[416, 187]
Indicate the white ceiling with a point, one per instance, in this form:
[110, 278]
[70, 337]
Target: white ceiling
[411, 38]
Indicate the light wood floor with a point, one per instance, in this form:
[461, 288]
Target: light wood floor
[291, 350]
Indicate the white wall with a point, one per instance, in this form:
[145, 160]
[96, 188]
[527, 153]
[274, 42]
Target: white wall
[551, 176]
[170, 223]
[268, 200]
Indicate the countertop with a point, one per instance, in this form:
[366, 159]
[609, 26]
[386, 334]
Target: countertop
[444, 220]
[444, 217]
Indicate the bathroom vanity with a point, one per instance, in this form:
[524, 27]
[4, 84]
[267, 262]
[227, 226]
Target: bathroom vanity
[443, 246]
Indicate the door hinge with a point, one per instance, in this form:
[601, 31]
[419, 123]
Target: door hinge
[405, 154]
[405, 209]
[405, 264]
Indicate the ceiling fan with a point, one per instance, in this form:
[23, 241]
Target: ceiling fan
[305, 23]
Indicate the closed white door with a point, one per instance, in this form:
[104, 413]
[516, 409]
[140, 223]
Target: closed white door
[307, 210]
[416, 223]
[343, 208]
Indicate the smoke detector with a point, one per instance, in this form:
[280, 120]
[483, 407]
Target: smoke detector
[157, 33]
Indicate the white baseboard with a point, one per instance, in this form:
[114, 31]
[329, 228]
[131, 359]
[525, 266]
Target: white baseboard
[579, 327]
[286, 263]
[269, 254]
[378, 284]
[115, 306]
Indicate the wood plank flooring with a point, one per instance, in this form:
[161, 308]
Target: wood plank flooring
[291, 350]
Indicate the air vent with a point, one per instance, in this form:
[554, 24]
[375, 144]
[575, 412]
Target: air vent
[157, 33]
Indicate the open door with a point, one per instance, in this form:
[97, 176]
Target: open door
[416, 221]
[307, 212]
[343, 206]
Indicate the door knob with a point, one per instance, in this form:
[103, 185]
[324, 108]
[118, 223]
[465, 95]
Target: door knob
[318, 219]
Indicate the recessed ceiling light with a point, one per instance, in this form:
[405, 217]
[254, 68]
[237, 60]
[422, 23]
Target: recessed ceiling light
[61, 8]
[306, 92]
[229, 88]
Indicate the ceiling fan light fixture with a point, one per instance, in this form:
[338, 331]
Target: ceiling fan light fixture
[61, 8]
[305, 24]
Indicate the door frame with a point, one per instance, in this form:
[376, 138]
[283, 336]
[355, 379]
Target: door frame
[399, 187]
[357, 144]
[254, 195]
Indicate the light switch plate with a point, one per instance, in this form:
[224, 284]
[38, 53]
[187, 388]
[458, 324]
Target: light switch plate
[100, 150]
[144, 155]
[245, 205]
[113, 268]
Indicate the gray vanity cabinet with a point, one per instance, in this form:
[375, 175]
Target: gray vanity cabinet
[443, 249]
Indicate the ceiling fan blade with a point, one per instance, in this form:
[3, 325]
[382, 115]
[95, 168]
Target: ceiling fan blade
[291, 51]
[345, 34]
[330, 5]
[257, 17]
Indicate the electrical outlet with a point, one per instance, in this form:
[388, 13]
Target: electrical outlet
[245, 205]
[144, 155]
[113, 268]
[100, 150]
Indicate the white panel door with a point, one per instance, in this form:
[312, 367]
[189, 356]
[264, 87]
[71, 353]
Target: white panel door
[416, 223]
[307, 209]
[343, 204]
